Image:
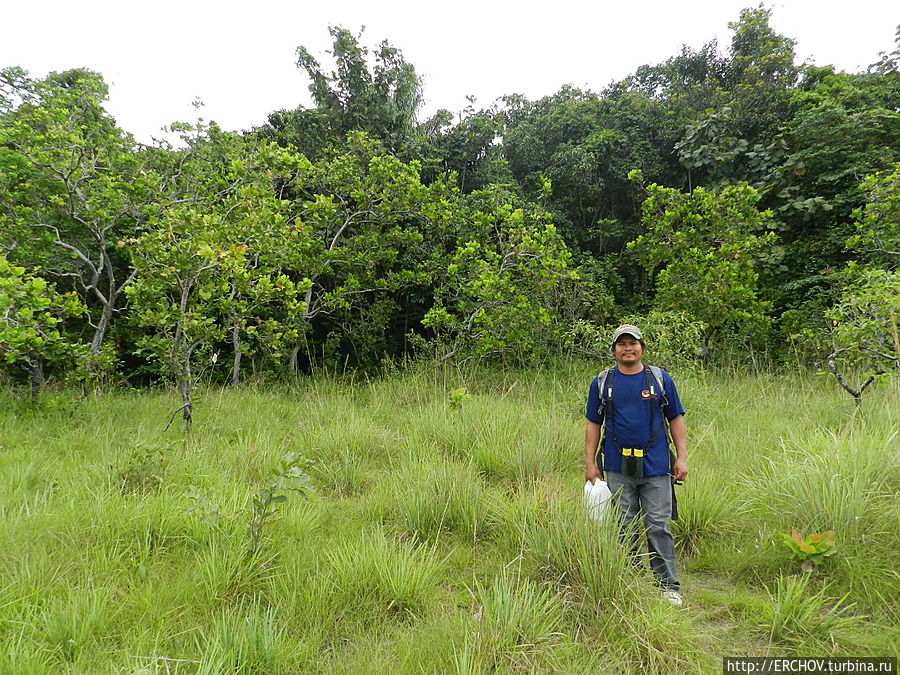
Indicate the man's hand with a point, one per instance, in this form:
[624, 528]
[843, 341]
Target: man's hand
[679, 437]
[591, 440]
[679, 469]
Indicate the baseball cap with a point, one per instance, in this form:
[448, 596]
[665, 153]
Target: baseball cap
[627, 329]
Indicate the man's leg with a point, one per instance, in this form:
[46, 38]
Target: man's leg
[625, 496]
[655, 496]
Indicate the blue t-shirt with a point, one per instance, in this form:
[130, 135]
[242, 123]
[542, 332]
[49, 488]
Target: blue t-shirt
[632, 405]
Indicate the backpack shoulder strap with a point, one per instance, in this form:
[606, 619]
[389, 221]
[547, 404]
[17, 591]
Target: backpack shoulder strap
[602, 378]
[657, 373]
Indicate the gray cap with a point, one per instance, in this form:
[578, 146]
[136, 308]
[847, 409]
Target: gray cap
[627, 329]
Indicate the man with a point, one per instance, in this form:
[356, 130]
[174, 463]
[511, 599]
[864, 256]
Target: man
[635, 453]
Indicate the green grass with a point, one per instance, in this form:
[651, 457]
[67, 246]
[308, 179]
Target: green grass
[437, 540]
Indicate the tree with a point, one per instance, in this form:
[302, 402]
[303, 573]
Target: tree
[585, 145]
[705, 250]
[72, 187]
[738, 137]
[492, 297]
[468, 149]
[381, 100]
[866, 328]
[207, 267]
[32, 313]
[878, 224]
[366, 216]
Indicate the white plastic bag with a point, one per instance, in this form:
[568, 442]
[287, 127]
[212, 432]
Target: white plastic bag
[596, 498]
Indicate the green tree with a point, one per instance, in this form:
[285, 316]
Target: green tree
[705, 250]
[379, 98]
[365, 216]
[738, 137]
[878, 223]
[468, 149]
[210, 266]
[866, 328]
[31, 329]
[585, 145]
[492, 297]
[73, 186]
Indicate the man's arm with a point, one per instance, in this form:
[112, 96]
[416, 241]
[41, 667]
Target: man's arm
[679, 437]
[591, 440]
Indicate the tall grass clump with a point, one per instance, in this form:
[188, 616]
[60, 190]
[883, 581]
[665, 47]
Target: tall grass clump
[584, 556]
[802, 618]
[431, 497]
[246, 639]
[516, 626]
[704, 513]
[372, 578]
[71, 627]
[613, 594]
[225, 571]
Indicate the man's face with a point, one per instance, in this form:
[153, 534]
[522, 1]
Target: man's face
[628, 350]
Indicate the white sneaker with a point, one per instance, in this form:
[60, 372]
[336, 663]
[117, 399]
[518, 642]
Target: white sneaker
[674, 597]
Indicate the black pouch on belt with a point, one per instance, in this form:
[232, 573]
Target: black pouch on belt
[633, 462]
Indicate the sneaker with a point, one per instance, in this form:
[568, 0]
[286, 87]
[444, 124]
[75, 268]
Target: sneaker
[674, 597]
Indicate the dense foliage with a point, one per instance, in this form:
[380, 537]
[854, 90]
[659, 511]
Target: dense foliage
[725, 190]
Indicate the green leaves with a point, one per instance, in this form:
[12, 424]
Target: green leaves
[287, 477]
[813, 549]
[493, 296]
[878, 224]
[31, 317]
[865, 325]
[705, 248]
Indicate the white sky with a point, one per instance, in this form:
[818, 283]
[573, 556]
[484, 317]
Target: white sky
[239, 58]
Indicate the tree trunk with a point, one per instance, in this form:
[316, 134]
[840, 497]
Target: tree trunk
[293, 363]
[705, 346]
[36, 370]
[236, 343]
[102, 327]
[184, 387]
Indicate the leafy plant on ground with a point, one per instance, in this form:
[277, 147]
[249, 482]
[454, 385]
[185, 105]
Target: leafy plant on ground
[288, 477]
[810, 551]
[144, 470]
[458, 397]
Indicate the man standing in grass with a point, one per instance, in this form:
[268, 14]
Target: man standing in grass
[635, 403]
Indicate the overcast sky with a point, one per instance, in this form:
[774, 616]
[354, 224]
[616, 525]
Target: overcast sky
[239, 58]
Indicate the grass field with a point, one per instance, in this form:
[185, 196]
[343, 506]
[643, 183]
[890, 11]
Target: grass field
[436, 539]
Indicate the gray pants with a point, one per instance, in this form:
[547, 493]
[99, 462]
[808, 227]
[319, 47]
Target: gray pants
[651, 495]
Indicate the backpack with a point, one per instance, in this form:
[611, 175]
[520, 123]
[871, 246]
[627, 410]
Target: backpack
[657, 375]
